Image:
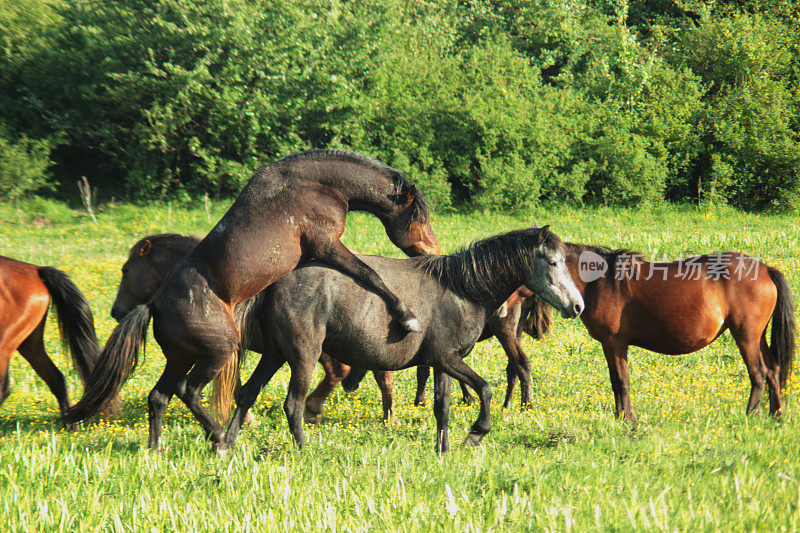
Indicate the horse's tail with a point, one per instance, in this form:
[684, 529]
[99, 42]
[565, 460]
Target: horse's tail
[537, 318]
[117, 362]
[75, 320]
[783, 325]
[226, 382]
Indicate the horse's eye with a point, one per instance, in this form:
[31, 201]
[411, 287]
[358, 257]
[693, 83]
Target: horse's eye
[552, 263]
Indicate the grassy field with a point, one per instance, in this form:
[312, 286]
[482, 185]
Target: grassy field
[694, 462]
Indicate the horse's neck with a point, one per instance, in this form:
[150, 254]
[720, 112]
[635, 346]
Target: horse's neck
[375, 199]
[364, 188]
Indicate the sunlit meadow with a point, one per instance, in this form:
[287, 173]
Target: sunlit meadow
[694, 461]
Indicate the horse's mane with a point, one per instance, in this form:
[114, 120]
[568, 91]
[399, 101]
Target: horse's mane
[167, 242]
[611, 255]
[418, 211]
[475, 270]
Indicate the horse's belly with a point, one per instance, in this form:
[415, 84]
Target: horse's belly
[680, 335]
[370, 357]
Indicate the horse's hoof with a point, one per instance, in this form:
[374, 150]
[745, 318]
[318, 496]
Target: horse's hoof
[221, 447]
[312, 418]
[419, 402]
[411, 325]
[472, 440]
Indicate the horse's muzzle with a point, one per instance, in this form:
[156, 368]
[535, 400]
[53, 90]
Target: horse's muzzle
[572, 311]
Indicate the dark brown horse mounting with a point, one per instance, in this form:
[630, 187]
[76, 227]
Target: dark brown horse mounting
[290, 211]
[680, 307]
[26, 291]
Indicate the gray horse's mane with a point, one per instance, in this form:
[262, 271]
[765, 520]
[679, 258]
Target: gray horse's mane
[475, 271]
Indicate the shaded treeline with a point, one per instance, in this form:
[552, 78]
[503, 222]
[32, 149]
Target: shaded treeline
[498, 103]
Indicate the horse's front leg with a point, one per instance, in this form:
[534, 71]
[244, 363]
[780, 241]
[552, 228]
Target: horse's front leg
[384, 381]
[453, 365]
[509, 333]
[336, 254]
[617, 359]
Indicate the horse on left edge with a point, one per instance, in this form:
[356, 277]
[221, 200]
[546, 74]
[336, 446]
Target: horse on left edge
[26, 291]
[290, 211]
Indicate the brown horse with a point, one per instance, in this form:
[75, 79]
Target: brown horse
[680, 307]
[26, 291]
[289, 211]
[152, 257]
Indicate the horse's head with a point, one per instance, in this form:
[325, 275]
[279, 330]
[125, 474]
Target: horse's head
[409, 227]
[549, 278]
[148, 263]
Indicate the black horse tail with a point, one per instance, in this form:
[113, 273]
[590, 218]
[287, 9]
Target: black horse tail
[783, 325]
[224, 385]
[75, 320]
[117, 362]
[536, 317]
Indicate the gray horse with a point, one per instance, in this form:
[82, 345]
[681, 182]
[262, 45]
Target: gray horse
[318, 309]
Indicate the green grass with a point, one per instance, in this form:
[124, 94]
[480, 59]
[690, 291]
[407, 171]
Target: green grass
[694, 461]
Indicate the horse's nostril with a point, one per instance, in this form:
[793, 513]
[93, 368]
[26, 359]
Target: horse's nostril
[578, 309]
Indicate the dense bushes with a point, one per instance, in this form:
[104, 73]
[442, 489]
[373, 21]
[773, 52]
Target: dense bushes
[500, 103]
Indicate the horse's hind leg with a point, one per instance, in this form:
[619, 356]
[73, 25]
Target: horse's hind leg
[384, 381]
[32, 349]
[266, 368]
[335, 372]
[773, 376]
[466, 396]
[159, 398]
[189, 391]
[294, 406]
[5, 387]
[441, 409]
[423, 373]
[750, 348]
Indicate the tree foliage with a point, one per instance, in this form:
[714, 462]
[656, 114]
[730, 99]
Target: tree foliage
[499, 103]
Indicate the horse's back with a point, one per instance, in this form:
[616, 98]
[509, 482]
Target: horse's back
[682, 306]
[317, 304]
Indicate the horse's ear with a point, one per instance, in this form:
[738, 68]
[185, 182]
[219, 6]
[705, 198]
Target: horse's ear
[145, 249]
[411, 194]
[542, 235]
